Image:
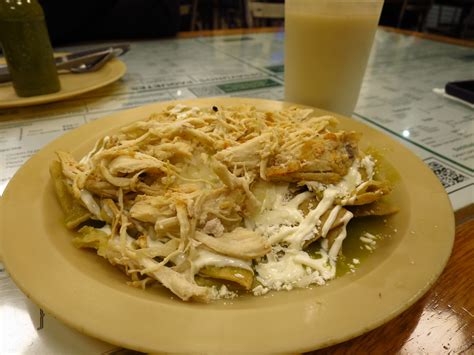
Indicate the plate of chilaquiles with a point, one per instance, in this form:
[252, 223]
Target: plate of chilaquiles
[225, 225]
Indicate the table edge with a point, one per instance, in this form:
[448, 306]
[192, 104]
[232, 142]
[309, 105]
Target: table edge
[252, 30]
[430, 36]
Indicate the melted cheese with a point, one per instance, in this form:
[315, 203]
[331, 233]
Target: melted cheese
[350, 181]
[369, 164]
[330, 221]
[307, 227]
[287, 230]
[324, 265]
[205, 258]
[276, 273]
[275, 208]
[294, 269]
[89, 202]
[336, 246]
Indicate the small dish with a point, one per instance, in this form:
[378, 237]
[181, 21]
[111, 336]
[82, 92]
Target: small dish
[71, 85]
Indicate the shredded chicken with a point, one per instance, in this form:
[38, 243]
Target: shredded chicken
[184, 183]
[240, 243]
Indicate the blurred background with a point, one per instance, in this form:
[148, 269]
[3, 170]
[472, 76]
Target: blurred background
[449, 17]
[70, 21]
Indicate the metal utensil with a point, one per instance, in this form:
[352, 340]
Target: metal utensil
[93, 65]
[79, 62]
[86, 56]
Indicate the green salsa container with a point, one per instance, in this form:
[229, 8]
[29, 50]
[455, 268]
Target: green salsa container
[27, 48]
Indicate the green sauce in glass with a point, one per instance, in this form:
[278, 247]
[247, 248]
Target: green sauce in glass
[27, 48]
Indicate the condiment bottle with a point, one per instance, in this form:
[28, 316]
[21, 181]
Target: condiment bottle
[27, 48]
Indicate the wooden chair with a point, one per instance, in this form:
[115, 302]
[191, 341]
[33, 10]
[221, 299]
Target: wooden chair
[213, 14]
[255, 13]
[260, 12]
[452, 18]
[420, 7]
[467, 30]
[188, 8]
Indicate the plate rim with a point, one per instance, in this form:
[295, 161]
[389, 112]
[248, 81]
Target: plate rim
[9, 194]
[115, 64]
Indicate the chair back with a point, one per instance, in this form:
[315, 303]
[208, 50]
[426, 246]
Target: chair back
[263, 10]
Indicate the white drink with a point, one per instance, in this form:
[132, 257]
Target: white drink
[326, 53]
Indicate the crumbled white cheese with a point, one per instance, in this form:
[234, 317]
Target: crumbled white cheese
[368, 240]
[223, 293]
[295, 269]
[214, 227]
[370, 236]
[260, 290]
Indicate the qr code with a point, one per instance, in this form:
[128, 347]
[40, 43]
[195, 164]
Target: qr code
[446, 175]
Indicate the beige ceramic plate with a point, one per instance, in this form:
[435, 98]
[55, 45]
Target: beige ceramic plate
[88, 294]
[71, 85]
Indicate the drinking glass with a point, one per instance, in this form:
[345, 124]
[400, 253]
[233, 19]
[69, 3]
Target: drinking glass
[327, 47]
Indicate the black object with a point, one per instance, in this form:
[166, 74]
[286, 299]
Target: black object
[75, 21]
[463, 90]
